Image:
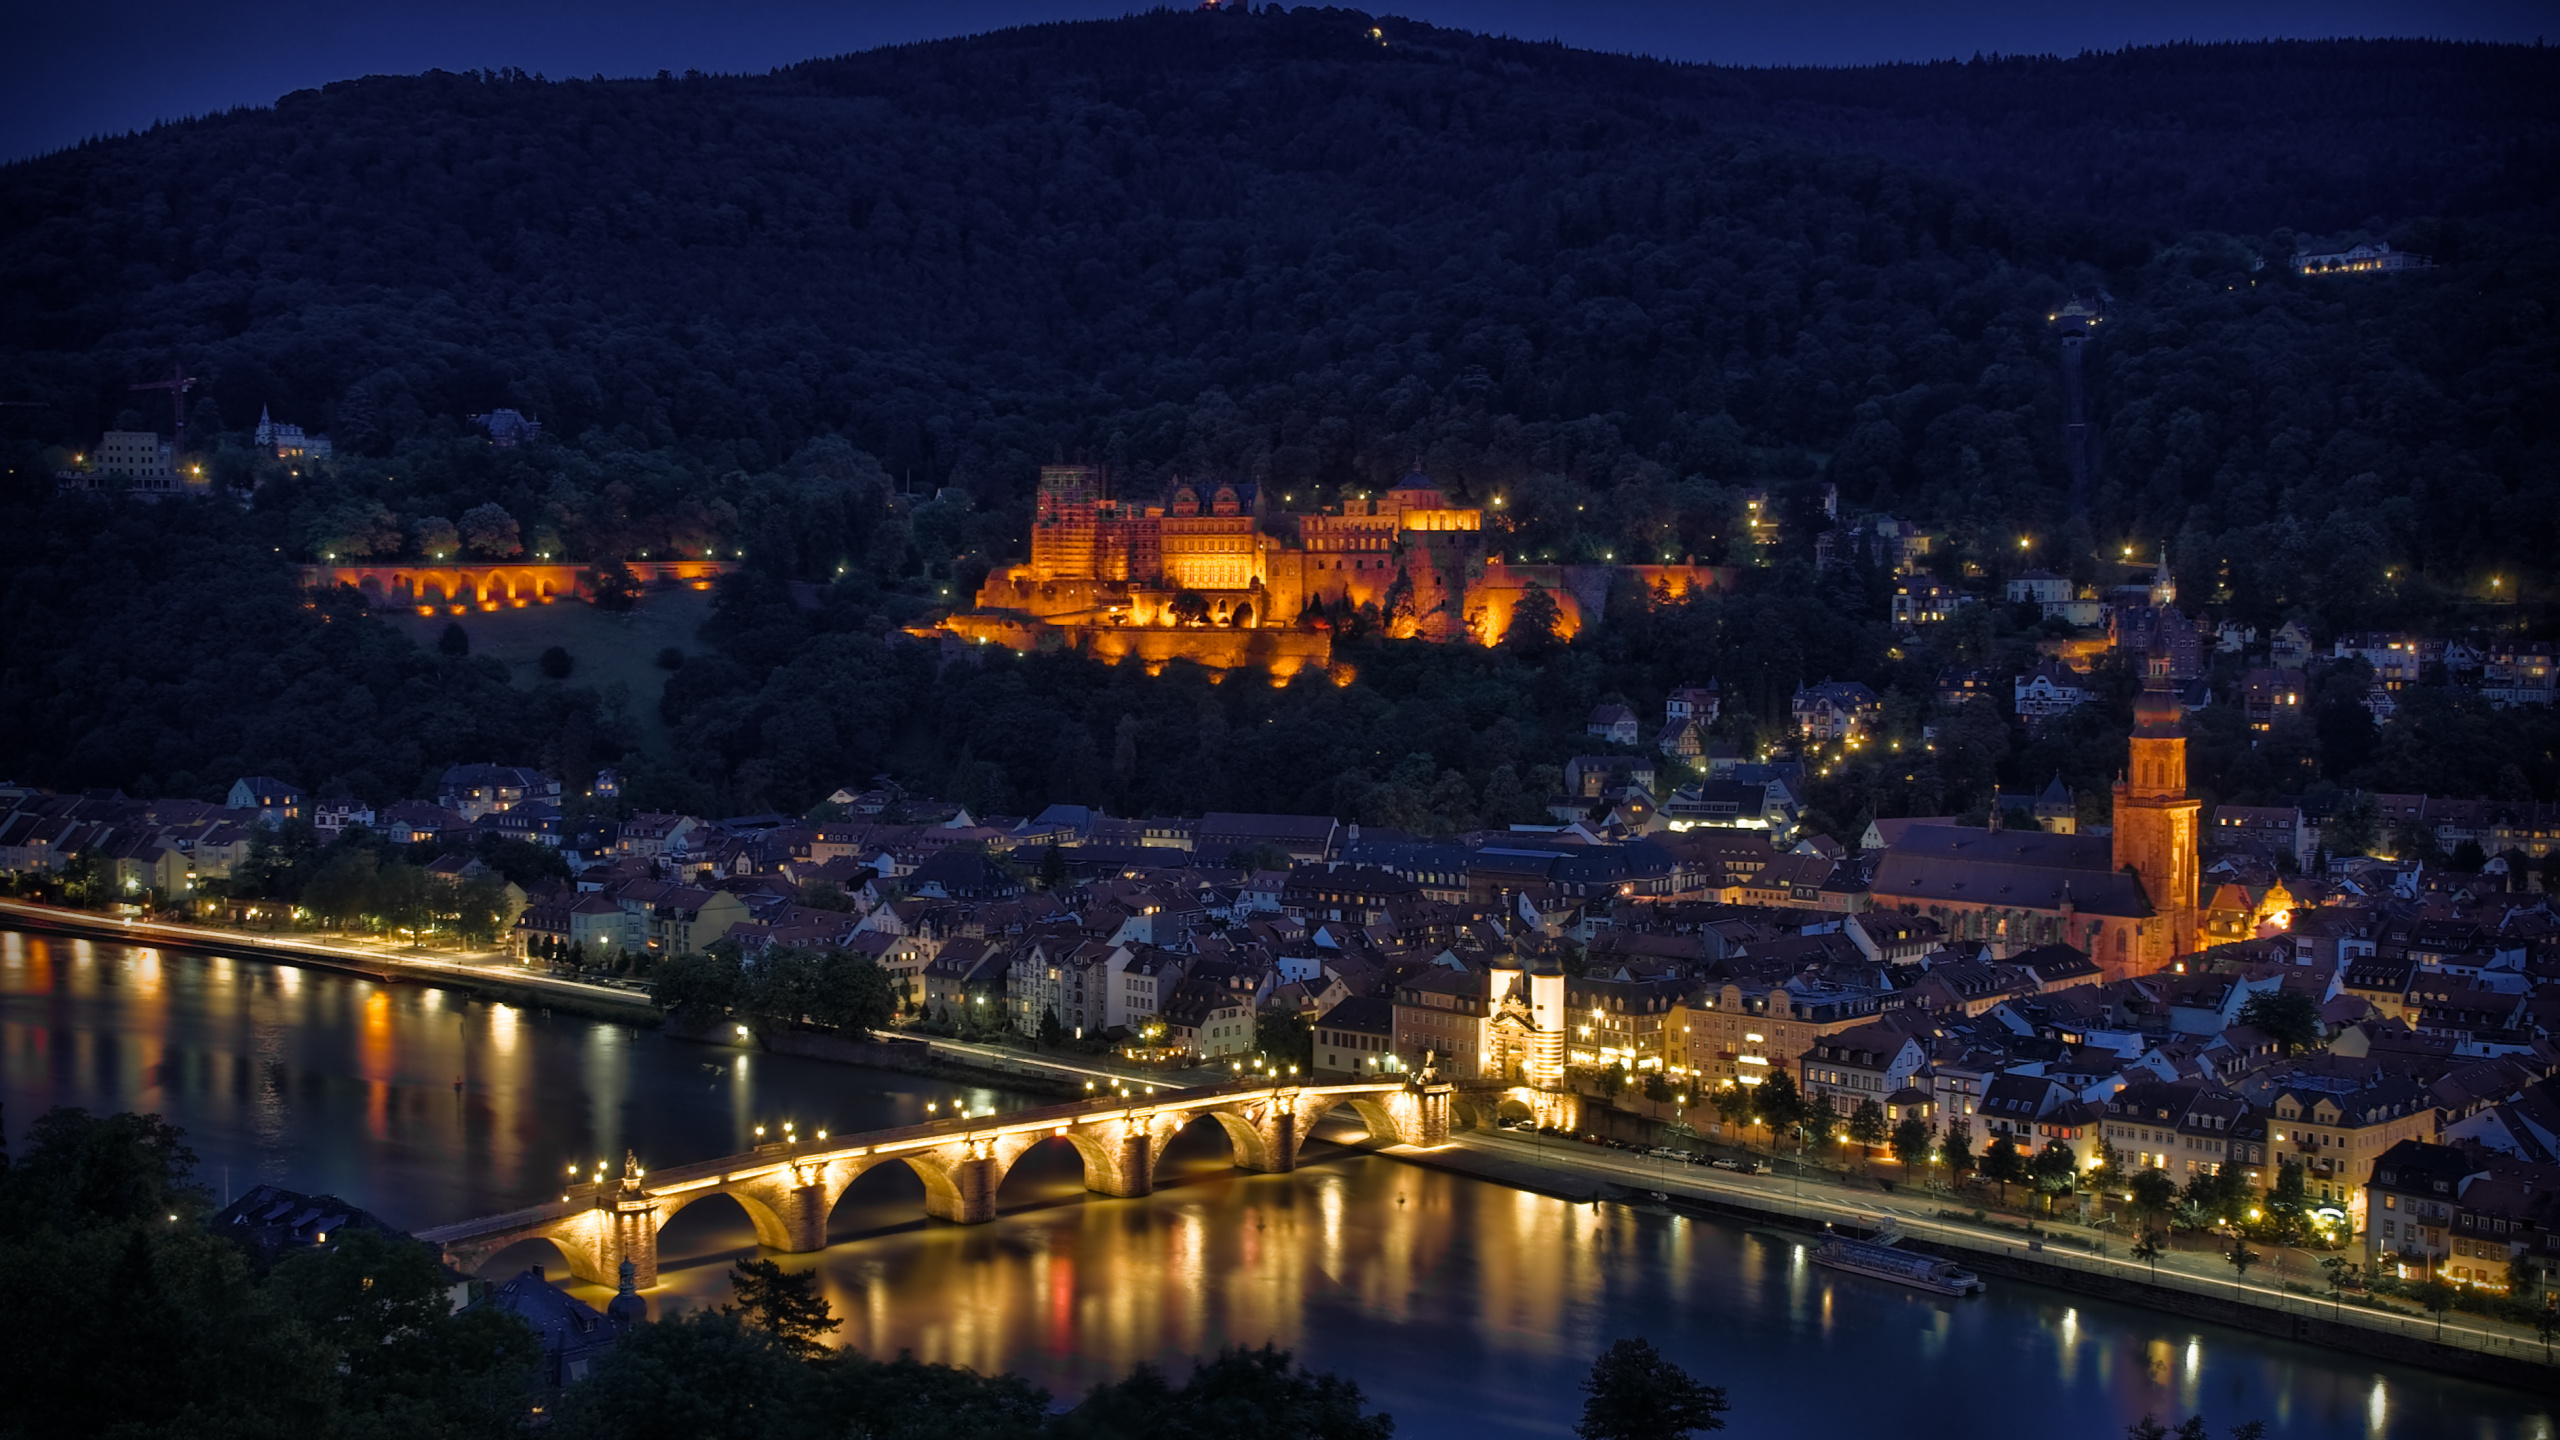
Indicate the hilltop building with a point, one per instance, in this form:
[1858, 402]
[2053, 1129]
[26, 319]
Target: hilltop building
[2374, 258]
[1208, 573]
[289, 442]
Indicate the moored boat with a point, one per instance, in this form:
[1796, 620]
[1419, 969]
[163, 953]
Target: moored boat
[1883, 1262]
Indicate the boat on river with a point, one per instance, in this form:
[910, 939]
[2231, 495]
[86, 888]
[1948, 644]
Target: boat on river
[1926, 1272]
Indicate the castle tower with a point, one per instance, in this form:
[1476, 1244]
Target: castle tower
[1066, 522]
[2156, 825]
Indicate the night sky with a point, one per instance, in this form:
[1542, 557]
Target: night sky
[70, 69]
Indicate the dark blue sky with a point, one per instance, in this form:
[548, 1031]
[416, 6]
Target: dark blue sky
[75, 68]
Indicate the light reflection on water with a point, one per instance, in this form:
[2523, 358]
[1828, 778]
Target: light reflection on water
[1466, 1309]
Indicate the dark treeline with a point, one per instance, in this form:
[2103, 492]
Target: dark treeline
[125, 1315]
[752, 311]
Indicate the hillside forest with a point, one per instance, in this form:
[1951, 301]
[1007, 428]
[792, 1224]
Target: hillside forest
[830, 320]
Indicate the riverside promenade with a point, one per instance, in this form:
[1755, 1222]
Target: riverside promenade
[2061, 1255]
[343, 954]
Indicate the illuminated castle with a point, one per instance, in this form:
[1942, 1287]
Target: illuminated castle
[1205, 573]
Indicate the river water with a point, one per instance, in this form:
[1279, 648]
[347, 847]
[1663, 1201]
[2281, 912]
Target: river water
[1464, 1308]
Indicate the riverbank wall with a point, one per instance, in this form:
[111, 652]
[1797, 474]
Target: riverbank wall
[2010, 1260]
[910, 1057]
[527, 990]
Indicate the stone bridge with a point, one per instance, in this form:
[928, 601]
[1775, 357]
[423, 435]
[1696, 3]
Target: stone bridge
[789, 1189]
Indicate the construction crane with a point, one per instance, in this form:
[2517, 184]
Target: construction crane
[178, 384]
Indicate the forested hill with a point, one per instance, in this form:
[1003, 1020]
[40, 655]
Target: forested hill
[964, 255]
[1307, 248]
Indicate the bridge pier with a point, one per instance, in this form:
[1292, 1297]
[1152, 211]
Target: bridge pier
[633, 1225]
[1131, 1172]
[968, 1194]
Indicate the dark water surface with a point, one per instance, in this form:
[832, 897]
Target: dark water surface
[1465, 1308]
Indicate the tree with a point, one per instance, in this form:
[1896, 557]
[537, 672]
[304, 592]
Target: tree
[784, 1304]
[2342, 1273]
[698, 988]
[489, 532]
[1733, 1103]
[1537, 624]
[1053, 867]
[479, 908]
[2435, 1297]
[2153, 1193]
[1247, 1394]
[1867, 1126]
[1657, 1087]
[437, 539]
[1283, 1037]
[2056, 1170]
[2354, 827]
[852, 994]
[455, 641]
[1777, 1104]
[143, 1323]
[1051, 1032]
[1959, 1152]
[614, 587]
[2192, 1428]
[707, 1373]
[1635, 1393]
[1821, 1121]
[2239, 1257]
[1189, 607]
[1911, 1143]
[407, 1361]
[2003, 1165]
[2148, 1249]
[2288, 1017]
[557, 662]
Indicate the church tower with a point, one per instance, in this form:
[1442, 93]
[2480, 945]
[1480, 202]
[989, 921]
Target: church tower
[2156, 825]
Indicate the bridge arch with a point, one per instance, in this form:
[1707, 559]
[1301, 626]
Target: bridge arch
[563, 1249]
[1253, 1151]
[1097, 1169]
[1382, 1123]
[945, 1196]
[771, 1231]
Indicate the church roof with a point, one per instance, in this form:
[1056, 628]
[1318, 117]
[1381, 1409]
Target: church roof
[2007, 869]
[1414, 480]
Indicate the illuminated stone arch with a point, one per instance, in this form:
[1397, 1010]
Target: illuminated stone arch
[771, 1231]
[1383, 1124]
[1252, 1147]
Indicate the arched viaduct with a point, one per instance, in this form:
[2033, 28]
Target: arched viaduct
[789, 1189]
[428, 586]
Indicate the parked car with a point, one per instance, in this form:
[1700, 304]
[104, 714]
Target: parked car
[1725, 1162]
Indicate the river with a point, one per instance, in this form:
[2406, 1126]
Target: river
[1464, 1308]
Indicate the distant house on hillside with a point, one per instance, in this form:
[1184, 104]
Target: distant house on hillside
[1613, 723]
[1836, 710]
[272, 800]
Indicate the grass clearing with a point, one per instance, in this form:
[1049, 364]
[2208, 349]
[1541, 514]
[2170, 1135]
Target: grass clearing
[608, 649]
